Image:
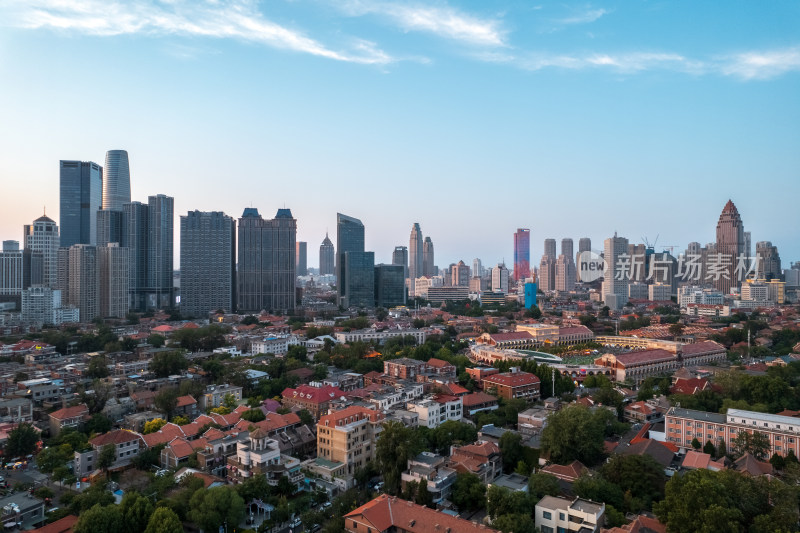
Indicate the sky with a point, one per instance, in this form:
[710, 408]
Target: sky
[471, 118]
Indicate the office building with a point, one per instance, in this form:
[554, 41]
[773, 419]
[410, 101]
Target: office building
[428, 265]
[11, 271]
[477, 268]
[358, 283]
[208, 263]
[565, 273]
[768, 261]
[400, 257]
[584, 245]
[160, 222]
[547, 273]
[266, 274]
[116, 181]
[459, 275]
[615, 282]
[110, 227]
[135, 215]
[567, 248]
[349, 238]
[390, 285]
[32, 268]
[81, 194]
[301, 258]
[500, 279]
[659, 292]
[530, 295]
[522, 254]
[43, 237]
[327, 257]
[83, 281]
[415, 254]
[113, 266]
[550, 248]
[730, 245]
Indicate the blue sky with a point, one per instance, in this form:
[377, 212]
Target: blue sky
[472, 118]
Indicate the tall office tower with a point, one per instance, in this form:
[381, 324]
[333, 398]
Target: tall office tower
[769, 261]
[113, 268]
[615, 281]
[110, 227]
[301, 258]
[550, 248]
[663, 268]
[160, 223]
[84, 283]
[459, 275]
[522, 254]
[117, 181]
[11, 270]
[390, 285]
[42, 237]
[327, 257]
[359, 279]
[266, 274]
[584, 245]
[208, 263]
[136, 223]
[32, 268]
[500, 279]
[400, 257]
[547, 273]
[415, 259]
[477, 268]
[428, 265]
[638, 255]
[349, 238]
[565, 273]
[567, 247]
[730, 245]
[81, 195]
[748, 244]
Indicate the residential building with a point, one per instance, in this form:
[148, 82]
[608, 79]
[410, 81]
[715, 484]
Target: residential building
[522, 254]
[81, 194]
[768, 261]
[437, 409]
[690, 294]
[429, 468]
[208, 263]
[478, 401]
[43, 237]
[127, 445]
[68, 417]
[113, 268]
[415, 255]
[111, 227]
[301, 258]
[316, 400]
[565, 272]
[348, 437]
[550, 248]
[21, 511]
[460, 275]
[477, 268]
[214, 396]
[500, 279]
[514, 384]
[615, 282]
[404, 368]
[160, 213]
[274, 344]
[482, 459]
[554, 514]
[11, 272]
[437, 295]
[660, 292]
[327, 257]
[547, 273]
[83, 282]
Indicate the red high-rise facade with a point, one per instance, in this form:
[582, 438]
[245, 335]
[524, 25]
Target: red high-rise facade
[522, 254]
[730, 245]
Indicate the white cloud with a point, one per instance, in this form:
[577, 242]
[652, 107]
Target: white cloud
[445, 21]
[761, 65]
[233, 19]
[585, 17]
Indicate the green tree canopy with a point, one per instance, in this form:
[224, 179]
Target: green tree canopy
[468, 492]
[576, 433]
[212, 508]
[136, 511]
[164, 520]
[165, 364]
[21, 440]
[396, 445]
[100, 519]
[166, 400]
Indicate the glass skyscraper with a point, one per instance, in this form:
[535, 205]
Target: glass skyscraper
[208, 263]
[359, 279]
[390, 285]
[117, 185]
[160, 223]
[81, 191]
[349, 238]
[522, 254]
[327, 257]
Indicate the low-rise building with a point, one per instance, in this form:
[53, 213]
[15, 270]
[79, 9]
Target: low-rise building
[348, 437]
[514, 384]
[315, 399]
[478, 401]
[554, 515]
[68, 417]
[127, 445]
[429, 468]
[214, 395]
[371, 335]
[437, 409]
[482, 459]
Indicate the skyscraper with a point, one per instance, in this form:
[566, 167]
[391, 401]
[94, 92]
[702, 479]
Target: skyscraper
[565, 269]
[301, 258]
[459, 274]
[81, 188]
[769, 261]
[359, 279]
[113, 267]
[477, 268]
[266, 274]
[584, 245]
[500, 279]
[390, 285]
[428, 264]
[550, 248]
[522, 254]
[349, 238]
[400, 257]
[84, 283]
[415, 253]
[110, 227]
[160, 221]
[208, 263]
[730, 245]
[327, 257]
[117, 180]
[135, 216]
[547, 272]
[615, 281]
[42, 237]
[11, 271]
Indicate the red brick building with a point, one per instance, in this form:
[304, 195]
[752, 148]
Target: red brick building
[514, 384]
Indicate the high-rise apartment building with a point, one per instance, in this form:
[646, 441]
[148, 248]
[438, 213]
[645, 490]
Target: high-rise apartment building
[110, 227]
[615, 281]
[136, 220]
[208, 263]
[11, 271]
[567, 248]
[565, 273]
[522, 254]
[400, 257]
[390, 285]
[327, 257]
[81, 194]
[500, 279]
[547, 273]
[160, 221]
[768, 261]
[266, 274]
[113, 268]
[459, 275]
[117, 181]
[83, 281]
[428, 264]
[477, 268]
[730, 245]
[415, 254]
[349, 238]
[43, 237]
[301, 258]
[584, 245]
[748, 244]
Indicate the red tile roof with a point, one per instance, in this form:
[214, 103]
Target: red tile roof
[316, 395]
[477, 398]
[387, 512]
[645, 356]
[63, 525]
[185, 401]
[512, 379]
[340, 417]
[117, 436]
[569, 472]
[689, 386]
[70, 412]
[701, 347]
[438, 363]
[511, 336]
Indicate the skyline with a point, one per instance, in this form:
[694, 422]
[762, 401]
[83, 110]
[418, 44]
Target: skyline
[570, 121]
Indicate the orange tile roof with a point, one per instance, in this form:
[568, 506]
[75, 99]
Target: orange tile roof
[512, 379]
[70, 412]
[63, 525]
[477, 398]
[184, 401]
[117, 436]
[387, 512]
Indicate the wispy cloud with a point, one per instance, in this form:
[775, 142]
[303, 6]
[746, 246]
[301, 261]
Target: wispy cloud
[443, 21]
[233, 19]
[584, 17]
[761, 65]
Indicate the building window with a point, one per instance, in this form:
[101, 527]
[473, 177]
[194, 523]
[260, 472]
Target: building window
[547, 515]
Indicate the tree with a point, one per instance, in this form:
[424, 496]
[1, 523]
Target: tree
[212, 508]
[229, 401]
[107, 456]
[755, 443]
[136, 510]
[254, 415]
[424, 497]
[468, 492]
[98, 424]
[396, 445]
[98, 367]
[21, 440]
[166, 401]
[306, 417]
[100, 519]
[511, 450]
[777, 461]
[541, 485]
[515, 523]
[153, 425]
[156, 341]
[709, 448]
[696, 443]
[165, 364]
[575, 433]
[164, 520]
[676, 330]
[637, 475]
[254, 487]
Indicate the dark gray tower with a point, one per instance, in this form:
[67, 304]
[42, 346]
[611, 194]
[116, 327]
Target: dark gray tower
[81, 193]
